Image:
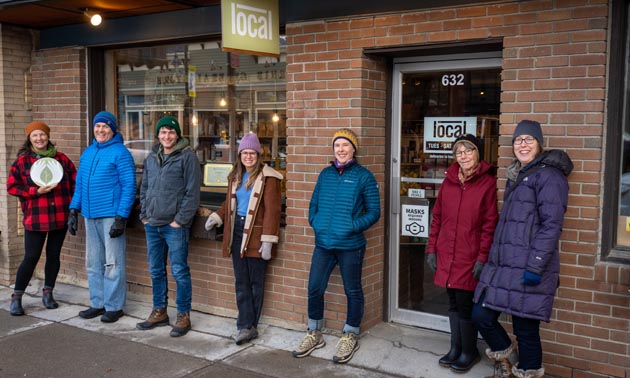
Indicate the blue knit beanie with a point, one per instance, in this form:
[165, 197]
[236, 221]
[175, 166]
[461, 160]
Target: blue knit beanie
[107, 118]
[527, 127]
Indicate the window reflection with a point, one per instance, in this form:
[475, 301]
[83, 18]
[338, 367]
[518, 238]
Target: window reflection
[216, 96]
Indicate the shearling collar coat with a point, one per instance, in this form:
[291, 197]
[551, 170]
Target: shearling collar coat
[262, 222]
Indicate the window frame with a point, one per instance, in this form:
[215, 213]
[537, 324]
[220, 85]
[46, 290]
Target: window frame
[619, 35]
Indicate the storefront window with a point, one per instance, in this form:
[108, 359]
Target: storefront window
[216, 96]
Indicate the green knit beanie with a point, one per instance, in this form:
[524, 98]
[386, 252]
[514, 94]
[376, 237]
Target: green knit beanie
[169, 122]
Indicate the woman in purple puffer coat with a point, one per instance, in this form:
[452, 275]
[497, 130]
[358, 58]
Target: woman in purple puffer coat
[522, 272]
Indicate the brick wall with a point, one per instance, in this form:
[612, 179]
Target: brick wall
[15, 58]
[554, 71]
[60, 100]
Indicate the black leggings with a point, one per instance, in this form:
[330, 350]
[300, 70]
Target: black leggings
[33, 245]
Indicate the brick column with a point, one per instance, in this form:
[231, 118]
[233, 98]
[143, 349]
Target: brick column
[15, 112]
[330, 84]
[60, 99]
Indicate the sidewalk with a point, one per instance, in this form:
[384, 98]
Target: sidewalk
[58, 343]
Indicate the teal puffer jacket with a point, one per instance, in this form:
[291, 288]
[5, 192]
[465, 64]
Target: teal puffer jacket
[343, 206]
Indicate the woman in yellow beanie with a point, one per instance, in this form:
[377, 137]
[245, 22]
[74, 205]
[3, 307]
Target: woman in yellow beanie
[345, 203]
[45, 206]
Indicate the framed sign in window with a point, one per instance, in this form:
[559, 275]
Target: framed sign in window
[216, 174]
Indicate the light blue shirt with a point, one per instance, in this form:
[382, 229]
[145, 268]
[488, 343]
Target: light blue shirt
[242, 197]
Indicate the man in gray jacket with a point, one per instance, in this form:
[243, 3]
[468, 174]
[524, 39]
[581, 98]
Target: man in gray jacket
[169, 198]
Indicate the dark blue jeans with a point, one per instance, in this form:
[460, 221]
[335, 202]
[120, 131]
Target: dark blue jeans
[249, 281]
[350, 266]
[172, 242]
[527, 333]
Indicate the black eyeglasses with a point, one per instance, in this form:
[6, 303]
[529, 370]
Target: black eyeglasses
[528, 140]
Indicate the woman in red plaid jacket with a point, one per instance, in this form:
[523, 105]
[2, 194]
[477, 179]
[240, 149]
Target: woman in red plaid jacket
[45, 207]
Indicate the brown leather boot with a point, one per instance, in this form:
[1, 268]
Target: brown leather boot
[157, 318]
[182, 325]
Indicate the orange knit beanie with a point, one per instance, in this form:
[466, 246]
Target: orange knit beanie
[37, 125]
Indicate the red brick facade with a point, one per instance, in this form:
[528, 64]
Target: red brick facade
[554, 71]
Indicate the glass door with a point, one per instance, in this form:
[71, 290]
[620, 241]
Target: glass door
[434, 101]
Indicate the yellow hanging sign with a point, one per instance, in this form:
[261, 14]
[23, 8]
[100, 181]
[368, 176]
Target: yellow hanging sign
[251, 26]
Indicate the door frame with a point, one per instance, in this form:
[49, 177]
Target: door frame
[402, 66]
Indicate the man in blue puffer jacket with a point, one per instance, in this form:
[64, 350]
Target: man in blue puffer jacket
[522, 272]
[345, 203]
[105, 191]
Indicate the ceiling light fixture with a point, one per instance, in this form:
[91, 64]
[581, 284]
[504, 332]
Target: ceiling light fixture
[95, 18]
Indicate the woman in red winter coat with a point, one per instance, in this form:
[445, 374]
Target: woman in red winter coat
[464, 218]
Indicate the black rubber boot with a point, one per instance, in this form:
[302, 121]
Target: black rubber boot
[48, 300]
[456, 341]
[470, 355]
[16, 305]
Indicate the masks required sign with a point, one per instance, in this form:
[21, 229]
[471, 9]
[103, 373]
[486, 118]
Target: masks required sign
[415, 220]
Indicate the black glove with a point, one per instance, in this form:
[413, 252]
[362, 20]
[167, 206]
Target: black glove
[73, 221]
[432, 261]
[477, 270]
[118, 227]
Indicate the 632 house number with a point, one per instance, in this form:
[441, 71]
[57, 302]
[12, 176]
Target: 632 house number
[452, 79]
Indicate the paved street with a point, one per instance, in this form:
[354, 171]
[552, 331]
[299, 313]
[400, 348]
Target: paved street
[59, 344]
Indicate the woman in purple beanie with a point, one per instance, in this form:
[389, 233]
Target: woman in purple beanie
[250, 215]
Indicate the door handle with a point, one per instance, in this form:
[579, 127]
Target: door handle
[396, 196]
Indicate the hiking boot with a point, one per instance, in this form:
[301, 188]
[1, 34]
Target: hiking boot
[245, 335]
[182, 325]
[158, 318]
[16, 305]
[313, 340]
[347, 345]
[91, 313]
[48, 300]
[112, 316]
